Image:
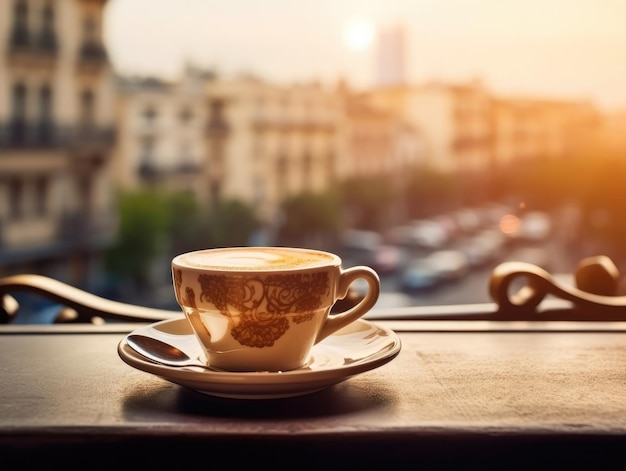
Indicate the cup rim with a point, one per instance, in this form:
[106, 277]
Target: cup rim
[334, 262]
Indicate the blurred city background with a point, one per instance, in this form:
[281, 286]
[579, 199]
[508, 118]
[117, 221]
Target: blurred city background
[429, 142]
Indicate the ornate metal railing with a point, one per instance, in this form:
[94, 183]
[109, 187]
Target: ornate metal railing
[591, 299]
[20, 134]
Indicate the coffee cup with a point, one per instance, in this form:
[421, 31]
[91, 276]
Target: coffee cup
[264, 308]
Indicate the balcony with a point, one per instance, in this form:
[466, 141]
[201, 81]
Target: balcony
[19, 133]
[28, 49]
[92, 57]
[151, 172]
[217, 128]
[91, 137]
[48, 42]
[20, 37]
[303, 125]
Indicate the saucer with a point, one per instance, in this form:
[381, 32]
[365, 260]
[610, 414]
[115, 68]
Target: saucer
[359, 347]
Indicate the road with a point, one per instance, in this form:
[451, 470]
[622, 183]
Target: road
[474, 288]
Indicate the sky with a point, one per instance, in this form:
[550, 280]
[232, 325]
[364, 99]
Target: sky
[562, 49]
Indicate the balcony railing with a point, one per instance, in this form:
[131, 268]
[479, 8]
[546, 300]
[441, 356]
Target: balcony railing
[20, 37]
[21, 134]
[150, 171]
[217, 128]
[92, 55]
[24, 44]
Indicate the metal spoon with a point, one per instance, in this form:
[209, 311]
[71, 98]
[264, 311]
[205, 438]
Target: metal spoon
[161, 352]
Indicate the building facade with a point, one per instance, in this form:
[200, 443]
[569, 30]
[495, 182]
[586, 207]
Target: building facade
[267, 142]
[466, 129]
[160, 141]
[57, 132]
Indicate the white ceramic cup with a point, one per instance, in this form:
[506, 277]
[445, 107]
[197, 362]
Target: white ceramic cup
[263, 308]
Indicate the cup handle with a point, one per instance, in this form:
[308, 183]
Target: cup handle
[334, 322]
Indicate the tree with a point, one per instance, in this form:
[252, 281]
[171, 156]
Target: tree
[231, 223]
[430, 192]
[141, 236]
[367, 201]
[310, 219]
[187, 223]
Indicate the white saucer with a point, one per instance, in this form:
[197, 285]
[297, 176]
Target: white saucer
[359, 347]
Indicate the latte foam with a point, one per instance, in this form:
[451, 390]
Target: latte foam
[256, 259]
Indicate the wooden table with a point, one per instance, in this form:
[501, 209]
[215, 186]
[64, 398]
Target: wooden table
[460, 393]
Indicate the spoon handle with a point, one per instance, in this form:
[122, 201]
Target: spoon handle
[162, 353]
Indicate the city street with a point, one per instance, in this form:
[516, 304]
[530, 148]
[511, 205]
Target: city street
[474, 287]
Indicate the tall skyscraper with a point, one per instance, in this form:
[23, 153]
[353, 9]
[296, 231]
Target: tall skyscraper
[391, 58]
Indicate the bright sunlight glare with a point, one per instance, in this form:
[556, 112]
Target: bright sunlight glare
[359, 34]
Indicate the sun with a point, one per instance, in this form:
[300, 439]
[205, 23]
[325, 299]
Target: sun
[358, 34]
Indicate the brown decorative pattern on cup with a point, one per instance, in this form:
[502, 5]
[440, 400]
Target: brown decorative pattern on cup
[300, 294]
[259, 330]
[190, 298]
[178, 281]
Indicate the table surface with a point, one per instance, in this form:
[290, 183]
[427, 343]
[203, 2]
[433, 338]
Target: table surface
[459, 392]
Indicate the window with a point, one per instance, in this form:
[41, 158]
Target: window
[16, 198]
[149, 115]
[42, 185]
[307, 171]
[282, 177]
[84, 188]
[329, 167]
[45, 115]
[147, 149]
[186, 115]
[19, 101]
[87, 108]
[147, 165]
[20, 36]
[90, 32]
[48, 36]
[216, 112]
[18, 126]
[45, 103]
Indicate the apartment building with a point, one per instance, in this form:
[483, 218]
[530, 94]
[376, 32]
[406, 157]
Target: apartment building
[56, 137]
[529, 128]
[266, 142]
[161, 127]
[467, 129]
[457, 122]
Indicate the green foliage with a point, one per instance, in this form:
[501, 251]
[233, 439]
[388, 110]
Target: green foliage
[430, 191]
[154, 224]
[187, 223]
[231, 223]
[143, 224]
[309, 216]
[367, 200]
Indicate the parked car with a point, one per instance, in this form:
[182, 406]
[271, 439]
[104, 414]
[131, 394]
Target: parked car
[362, 247]
[533, 226]
[419, 275]
[387, 259]
[358, 247]
[450, 264]
[425, 233]
[482, 248]
[468, 220]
